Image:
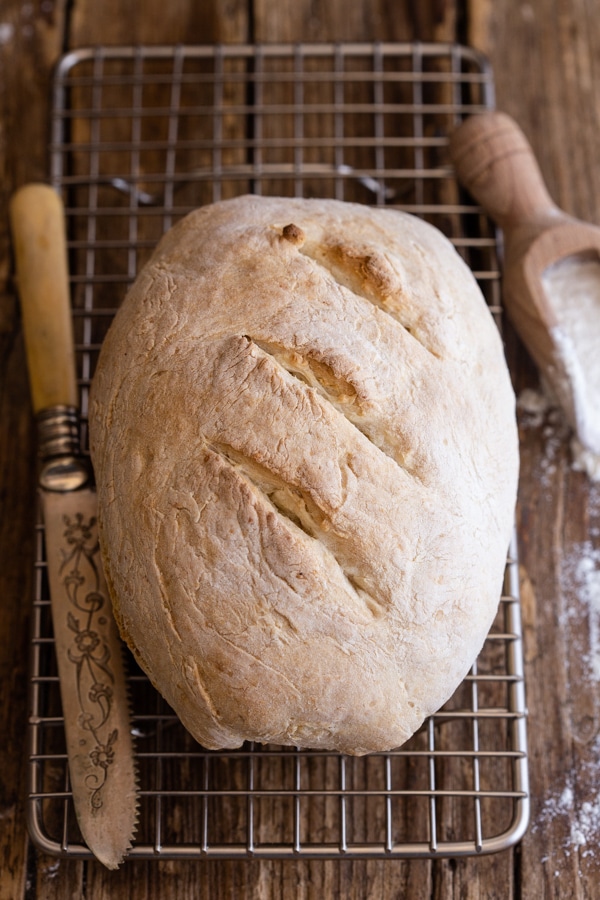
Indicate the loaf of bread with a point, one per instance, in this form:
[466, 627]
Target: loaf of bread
[303, 433]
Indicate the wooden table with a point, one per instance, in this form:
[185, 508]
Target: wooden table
[545, 56]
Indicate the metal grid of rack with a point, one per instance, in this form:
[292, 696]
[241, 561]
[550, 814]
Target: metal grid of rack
[140, 137]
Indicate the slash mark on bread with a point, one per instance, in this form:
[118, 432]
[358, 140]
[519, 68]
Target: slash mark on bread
[368, 274]
[298, 510]
[340, 393]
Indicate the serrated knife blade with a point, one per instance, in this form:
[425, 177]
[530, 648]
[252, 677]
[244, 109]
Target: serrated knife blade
[89, 652]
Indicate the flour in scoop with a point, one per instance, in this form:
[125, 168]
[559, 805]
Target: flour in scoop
[572, 287]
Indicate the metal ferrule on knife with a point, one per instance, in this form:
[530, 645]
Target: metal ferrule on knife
[58, 431]
[63, 469]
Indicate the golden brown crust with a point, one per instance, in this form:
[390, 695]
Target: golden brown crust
[303, 433]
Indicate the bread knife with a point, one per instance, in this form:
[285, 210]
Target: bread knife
[89, 651]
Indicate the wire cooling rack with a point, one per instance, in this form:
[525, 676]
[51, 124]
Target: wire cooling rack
[140, 137]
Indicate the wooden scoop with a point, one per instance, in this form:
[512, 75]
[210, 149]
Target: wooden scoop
[495, 163]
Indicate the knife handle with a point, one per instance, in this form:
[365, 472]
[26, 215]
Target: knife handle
[38, 226]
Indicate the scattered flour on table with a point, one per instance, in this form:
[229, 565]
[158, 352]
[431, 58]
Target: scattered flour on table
[581, 580]
[536, 404]
[580, 621]
[585, 461]
[578, 315]
[539, 409]
[7, 32]
[584, 830]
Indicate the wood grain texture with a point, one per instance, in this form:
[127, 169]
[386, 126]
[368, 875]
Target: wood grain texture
[153, 22]
[30, 42]
[16, 540]
[555, 49]
[380, 20]
[545, 55]
[549, 88]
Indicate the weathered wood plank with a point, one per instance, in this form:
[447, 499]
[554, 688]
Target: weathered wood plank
[153, 22]
[359, 21]
[30, 41]
[16, 539]
[544, 54]
[549, 90]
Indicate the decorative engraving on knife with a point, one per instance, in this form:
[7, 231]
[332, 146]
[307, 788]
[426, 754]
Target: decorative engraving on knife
[89, 651]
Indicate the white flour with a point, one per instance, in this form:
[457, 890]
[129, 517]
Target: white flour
[572, 287]
[580, 622]
[585, 461]
[538, 409]
[581, 585]
[584, 829]
[536, 404]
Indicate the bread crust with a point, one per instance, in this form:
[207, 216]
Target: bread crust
[303, 433]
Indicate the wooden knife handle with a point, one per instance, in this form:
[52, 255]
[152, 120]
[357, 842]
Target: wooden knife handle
[494, 161]
[38, 227]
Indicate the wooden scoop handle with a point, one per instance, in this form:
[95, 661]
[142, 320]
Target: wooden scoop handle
[38, 227]
[495, 163]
